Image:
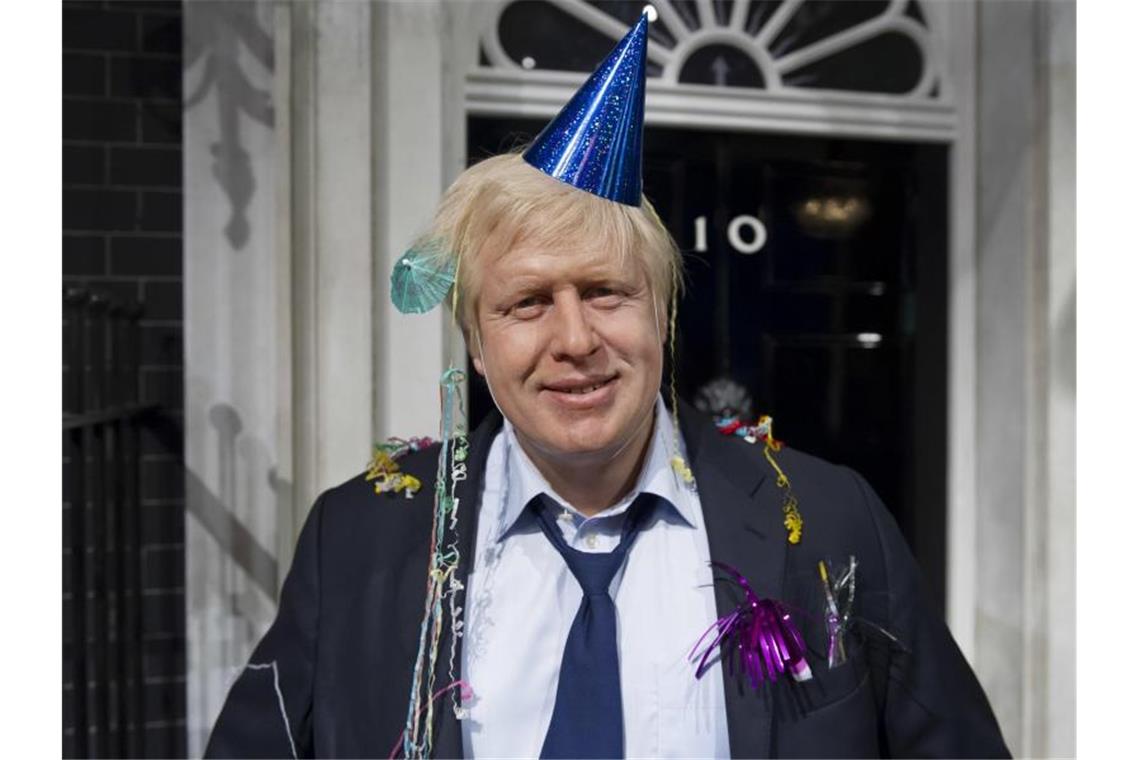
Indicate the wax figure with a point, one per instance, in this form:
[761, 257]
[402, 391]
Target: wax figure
[597, 570]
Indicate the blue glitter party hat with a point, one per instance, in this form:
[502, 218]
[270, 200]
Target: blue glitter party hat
[594, 143]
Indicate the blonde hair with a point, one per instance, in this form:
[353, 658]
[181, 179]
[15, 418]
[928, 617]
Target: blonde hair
[506, 197]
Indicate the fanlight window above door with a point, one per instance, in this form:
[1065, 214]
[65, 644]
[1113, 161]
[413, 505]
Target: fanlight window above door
[858, 46]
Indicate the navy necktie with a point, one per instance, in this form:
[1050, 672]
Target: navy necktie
[587, 719]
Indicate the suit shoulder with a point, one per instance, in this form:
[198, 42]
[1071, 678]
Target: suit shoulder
[839, 508]
[810, 467]
[797, 464]
[356, 531]
[365, 489]
[823, 489]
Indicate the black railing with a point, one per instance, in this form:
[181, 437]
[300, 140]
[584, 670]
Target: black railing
[102, 637]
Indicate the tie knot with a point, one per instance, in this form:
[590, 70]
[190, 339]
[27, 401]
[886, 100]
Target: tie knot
[594, 571]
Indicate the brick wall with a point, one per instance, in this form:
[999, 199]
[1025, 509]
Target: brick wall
[122, 235]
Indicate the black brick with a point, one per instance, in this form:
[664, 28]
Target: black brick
[161, 345]
[123, 291]
[68, 490]
[154, 257]
[164, 657]
[151, 166]
[84, 165]
[162, 34]
[68, 404]
[98, 210]
[162, 386]
[84, 74]
[68, 701]
[163, 614]
[93, 29]
[161, 211]
[162, 480]
[165, 740]
[121, 84]
[163, 523]
[163, 300]
[164, 567]
[84, 255]
[165, 664]
[162, 434]
[66, 580]
[162, 438]
[146, 78]
[156, 6]
[165, 700]
[99, 120]
[161, 123]
[69, 615]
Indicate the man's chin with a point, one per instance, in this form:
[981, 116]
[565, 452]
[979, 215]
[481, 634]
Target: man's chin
[576, 443]
[582, 444]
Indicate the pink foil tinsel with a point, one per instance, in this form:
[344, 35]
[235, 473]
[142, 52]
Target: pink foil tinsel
[761, 633]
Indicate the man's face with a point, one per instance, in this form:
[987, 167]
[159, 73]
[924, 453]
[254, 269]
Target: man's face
[570, 346]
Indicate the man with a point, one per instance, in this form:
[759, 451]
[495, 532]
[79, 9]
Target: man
[568, 544]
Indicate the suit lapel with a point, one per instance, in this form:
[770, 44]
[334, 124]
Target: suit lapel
[745, 530]
[448, 736]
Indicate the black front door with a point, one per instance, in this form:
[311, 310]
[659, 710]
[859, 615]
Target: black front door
[815, 293]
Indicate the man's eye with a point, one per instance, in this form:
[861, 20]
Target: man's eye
[528, 306]
[604, 295]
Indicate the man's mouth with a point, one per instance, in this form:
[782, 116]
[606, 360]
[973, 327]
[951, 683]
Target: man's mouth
[582, 394]
[585, 389]
[580, 387]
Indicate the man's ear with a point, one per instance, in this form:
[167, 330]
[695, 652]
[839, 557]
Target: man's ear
[473, 349]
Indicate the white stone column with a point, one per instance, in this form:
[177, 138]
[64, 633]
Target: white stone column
[1024, 640]
[959, 23]
[236, 343]
[1055, 722]
[329, 151]
[317, 142]
[412, 67]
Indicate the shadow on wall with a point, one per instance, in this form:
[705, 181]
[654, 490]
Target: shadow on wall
[216, 33]
[215, 511]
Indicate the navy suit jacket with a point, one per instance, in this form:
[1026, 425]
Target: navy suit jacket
[346, 633]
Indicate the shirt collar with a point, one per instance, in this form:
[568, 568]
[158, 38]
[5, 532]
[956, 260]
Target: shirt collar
[657, 476]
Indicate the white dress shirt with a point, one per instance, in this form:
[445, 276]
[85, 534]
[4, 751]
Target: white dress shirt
[522, 599]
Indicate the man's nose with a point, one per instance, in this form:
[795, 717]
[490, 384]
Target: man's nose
[574, 334]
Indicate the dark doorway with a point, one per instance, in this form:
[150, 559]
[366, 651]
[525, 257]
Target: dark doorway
[816, 293]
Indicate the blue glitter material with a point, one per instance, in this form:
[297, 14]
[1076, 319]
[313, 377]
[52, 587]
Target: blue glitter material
[594, 143]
